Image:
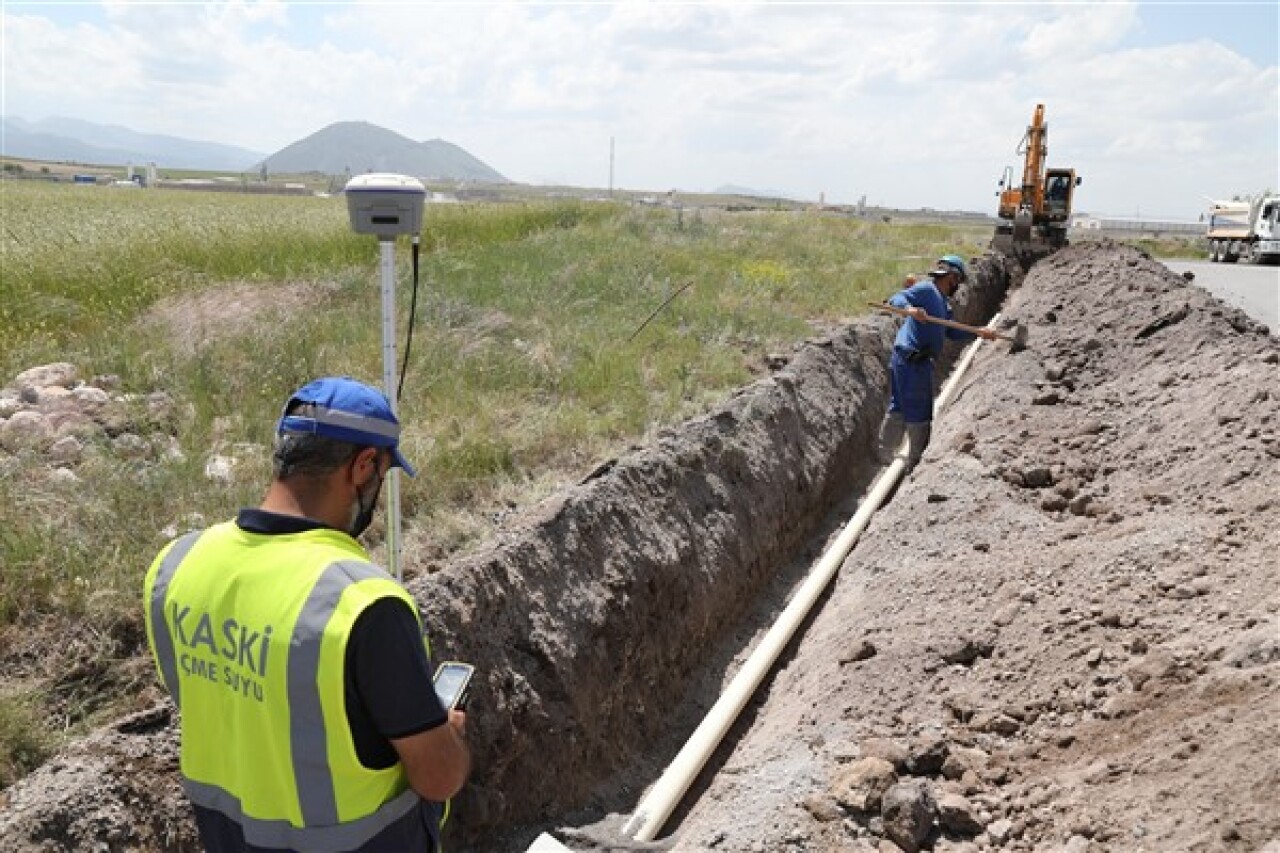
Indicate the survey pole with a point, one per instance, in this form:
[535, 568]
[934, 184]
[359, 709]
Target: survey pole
[388, 205]
[387, 247]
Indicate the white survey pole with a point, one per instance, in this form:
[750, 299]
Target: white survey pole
[388, 205]
[387, 247]
[656, 806]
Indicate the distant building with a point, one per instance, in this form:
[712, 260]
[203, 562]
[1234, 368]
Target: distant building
[1087, 222]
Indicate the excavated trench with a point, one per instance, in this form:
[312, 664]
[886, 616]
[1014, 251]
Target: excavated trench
[604, 622]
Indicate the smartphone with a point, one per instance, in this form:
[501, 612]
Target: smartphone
[451, 683]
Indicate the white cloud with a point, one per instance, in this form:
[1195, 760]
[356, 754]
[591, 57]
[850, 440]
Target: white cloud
[1078, 32]
[912, 105]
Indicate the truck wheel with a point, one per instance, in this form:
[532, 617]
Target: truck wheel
[1215, 251]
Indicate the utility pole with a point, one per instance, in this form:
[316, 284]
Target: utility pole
[610, 167]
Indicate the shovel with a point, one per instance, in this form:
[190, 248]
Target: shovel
[1017, 341]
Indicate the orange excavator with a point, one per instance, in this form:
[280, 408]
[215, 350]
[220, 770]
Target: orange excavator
[1034, 216]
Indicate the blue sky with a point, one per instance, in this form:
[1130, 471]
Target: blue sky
[1158, 105]
[1248, 28]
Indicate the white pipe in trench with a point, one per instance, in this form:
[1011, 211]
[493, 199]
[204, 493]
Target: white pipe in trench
[666, 793]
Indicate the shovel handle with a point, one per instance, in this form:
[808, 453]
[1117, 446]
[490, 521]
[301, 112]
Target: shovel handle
[902, 312]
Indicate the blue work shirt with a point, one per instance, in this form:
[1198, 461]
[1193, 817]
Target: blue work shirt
[926, 338]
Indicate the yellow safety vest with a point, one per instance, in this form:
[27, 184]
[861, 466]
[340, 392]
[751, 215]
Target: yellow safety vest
[249, 632]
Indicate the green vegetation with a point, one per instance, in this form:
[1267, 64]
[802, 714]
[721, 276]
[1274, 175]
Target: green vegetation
[24, 741]
[542, 346]
[1169, 246]
[1185, 248]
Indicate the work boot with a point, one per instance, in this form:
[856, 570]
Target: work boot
[917, 440]
[891, 430]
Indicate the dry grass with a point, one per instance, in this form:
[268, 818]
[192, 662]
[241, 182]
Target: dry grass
[248, 309]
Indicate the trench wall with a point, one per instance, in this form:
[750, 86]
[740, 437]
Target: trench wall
[609, 596]
[582, 619]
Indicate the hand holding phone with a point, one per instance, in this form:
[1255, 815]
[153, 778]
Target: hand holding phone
[451, 682]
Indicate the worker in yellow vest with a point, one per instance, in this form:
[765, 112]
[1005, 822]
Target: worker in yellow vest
[301, 670]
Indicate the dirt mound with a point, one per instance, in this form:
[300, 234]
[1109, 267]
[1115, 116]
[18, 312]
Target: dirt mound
[1071, 606]
[1072, 590]
[116, 790]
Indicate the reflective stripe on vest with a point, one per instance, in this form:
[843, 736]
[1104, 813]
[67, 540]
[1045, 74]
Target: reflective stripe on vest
[163, 639]
[309, 741]
[314, 839]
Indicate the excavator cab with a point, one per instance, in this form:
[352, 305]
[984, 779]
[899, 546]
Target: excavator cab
[1059, 186]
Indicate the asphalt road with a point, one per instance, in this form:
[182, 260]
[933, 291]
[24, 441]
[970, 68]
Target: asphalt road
[1253, 289]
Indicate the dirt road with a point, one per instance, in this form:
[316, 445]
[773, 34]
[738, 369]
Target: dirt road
[1253, 289]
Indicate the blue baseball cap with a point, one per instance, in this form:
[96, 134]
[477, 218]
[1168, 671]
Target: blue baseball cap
[951, 263]
[346, 410]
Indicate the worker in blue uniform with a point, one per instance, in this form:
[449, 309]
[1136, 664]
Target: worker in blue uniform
[916, 346]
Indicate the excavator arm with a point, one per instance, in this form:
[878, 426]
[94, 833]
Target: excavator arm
[1035, 145]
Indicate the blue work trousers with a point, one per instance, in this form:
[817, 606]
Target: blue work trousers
[911, 387]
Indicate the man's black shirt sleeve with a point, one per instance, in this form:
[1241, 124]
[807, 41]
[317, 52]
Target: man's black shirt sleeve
[389, 693]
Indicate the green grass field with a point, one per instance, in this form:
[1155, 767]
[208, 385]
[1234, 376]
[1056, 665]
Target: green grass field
[540, 348]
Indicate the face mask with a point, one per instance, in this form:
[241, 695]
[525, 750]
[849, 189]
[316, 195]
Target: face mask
[362, 513]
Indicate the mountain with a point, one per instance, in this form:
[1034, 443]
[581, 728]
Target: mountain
[349, 147]
[356, 147]
[60, 138]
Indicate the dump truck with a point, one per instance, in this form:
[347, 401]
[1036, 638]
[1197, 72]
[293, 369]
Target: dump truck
[1246, 230]
[1035, 214]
